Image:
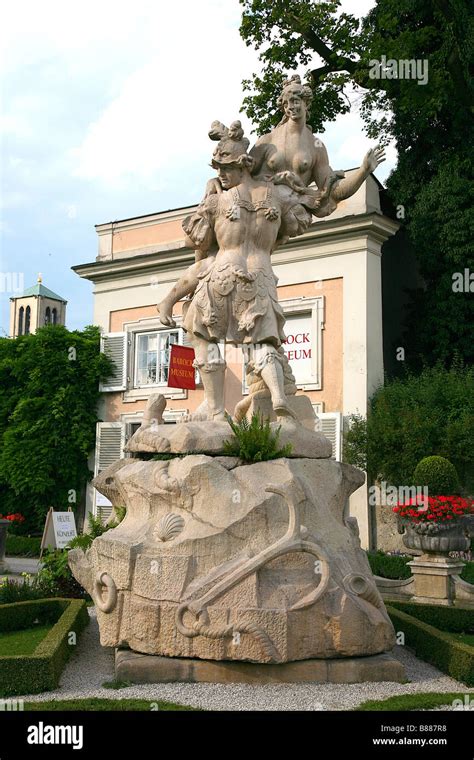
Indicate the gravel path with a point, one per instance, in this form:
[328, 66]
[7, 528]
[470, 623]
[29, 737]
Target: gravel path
[93, 664]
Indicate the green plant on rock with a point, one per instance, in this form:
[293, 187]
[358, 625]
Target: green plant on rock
[95, 529]
[55, 577]
[255, 441]
[438, 475]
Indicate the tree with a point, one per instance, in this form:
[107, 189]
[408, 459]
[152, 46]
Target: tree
[431, 124]
[50, 389]
[430, 414]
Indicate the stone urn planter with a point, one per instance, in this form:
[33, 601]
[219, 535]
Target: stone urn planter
[435, 538]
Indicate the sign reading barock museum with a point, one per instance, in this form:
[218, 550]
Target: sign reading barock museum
[181, 372]
[297, 347]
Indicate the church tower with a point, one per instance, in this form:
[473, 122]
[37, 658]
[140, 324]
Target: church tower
[36, 307]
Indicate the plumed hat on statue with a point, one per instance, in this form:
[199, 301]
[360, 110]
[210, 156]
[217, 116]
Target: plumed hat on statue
[232, 146]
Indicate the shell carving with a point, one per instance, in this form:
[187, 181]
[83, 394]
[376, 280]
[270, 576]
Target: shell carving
[169, 527]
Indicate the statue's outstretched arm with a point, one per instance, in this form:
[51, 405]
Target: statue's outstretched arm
[349, 185]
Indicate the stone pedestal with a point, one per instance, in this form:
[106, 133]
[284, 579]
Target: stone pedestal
[434, 575]
[141, 668]
[220, 560]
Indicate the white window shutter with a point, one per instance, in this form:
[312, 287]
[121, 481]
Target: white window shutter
[114, 345]
[330, 424]
[110, 442]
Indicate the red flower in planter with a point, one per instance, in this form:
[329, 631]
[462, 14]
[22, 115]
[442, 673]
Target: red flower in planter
[16, 517]
[435, 508]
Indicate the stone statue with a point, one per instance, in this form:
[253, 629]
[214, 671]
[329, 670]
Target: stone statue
[291, 154]
[258, 202]
[219, 559]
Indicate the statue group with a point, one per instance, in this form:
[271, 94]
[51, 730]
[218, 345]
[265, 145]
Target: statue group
[258, 201]
[218, 559]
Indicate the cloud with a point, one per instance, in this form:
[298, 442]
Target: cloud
[161, 116]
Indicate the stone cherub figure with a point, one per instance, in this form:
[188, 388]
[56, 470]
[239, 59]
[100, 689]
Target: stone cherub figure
[257, 202]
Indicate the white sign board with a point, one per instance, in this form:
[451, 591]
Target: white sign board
[299, 347]
[59, 530]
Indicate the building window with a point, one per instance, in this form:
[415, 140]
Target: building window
[21, 315]
[47, 316]
[55, 316]
[27, 320]
[153, 357]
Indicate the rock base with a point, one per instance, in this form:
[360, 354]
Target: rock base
[142, 668]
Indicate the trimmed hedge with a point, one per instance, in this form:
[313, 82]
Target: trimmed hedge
[395, 566]
[451, 619]
[20, 615]
[31, 674]
[23, 546]
[435, 646]
[389, 565]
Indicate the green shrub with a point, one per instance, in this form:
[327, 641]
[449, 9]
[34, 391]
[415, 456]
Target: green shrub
[414, 417]
[95, 529]
[255, 441]
[18, 591]
[23, 546]
[55, 577]
[389, 565]
[435, 646]
[468, 572]
[452, 619]
[20, 615]
[30, 674]
[438, 475]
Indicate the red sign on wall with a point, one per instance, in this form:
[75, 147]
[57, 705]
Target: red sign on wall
[181, 371]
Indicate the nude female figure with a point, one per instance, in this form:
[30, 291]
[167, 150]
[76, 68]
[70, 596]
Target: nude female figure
[289, 155]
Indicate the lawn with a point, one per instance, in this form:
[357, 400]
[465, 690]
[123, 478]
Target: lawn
[22, 642]
[464, 638]
[95, 704]
[422, 701]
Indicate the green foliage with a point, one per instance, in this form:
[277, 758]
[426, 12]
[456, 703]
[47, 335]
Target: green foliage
[255, 441]
[404, 702]
[23, 642]
[95, 529]
[438, 475]
[40, 671]
[18, 591]
[395, 566]
[55, 577]
[287, 34]
[389, 565]
[355, 442]
[17, 616]
[50, 384]
[435, 646]
[95, 704]
[414, 417]
[116, 684]
[431, 125]
[468, 573]
[450, 619]
[23, 546]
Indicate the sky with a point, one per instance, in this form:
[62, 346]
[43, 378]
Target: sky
[105, 107]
